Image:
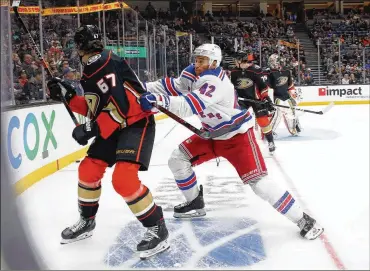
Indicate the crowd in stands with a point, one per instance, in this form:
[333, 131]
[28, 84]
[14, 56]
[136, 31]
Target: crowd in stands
[260, 35]
[63, 60]
[347, 64]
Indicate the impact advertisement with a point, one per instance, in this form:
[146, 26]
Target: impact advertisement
[341, 94]
[36, 136]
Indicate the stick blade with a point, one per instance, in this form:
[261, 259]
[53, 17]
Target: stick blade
[16, 3]
[326, 109]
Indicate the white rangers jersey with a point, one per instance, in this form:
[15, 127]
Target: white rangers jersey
[211, 96]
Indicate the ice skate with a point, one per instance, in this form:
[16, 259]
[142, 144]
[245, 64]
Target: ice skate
[309, 228]
[298, 127]
[155, 241]
[272, 147]
[82, 229]
[194, 208]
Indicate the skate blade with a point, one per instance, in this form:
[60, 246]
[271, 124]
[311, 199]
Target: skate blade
[79, 238]
[197, 213]
[314, 233]
[162, 246]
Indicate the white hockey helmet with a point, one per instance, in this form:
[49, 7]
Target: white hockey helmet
[212, 51]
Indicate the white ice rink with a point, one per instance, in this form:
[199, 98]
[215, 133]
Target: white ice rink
[326, 168]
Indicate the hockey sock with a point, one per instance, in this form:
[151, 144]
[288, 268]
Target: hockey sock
[144, 207]
[90, 173]
[266, 128]
[88, 200]
[137, 196]
[278, 197]
[188, 186]
[184, 175]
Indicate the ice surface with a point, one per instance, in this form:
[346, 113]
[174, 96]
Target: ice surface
[326, 168]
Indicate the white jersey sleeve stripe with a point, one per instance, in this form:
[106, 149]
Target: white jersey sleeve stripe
[166, 82]
[191, 105]
[188, 75]
[195, 103]
[172, 83]
[193, 94]
[171, 86]
[165, 88]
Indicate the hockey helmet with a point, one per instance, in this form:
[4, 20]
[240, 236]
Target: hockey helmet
[243, 56]
[88, 38]
[212, 51]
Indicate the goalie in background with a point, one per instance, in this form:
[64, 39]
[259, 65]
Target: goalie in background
[284, 93]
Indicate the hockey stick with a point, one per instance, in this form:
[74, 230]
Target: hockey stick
[326, 109]
[15, 6]
[201, 133]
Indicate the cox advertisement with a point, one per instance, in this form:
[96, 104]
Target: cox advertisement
[36, 136]
[336, 93]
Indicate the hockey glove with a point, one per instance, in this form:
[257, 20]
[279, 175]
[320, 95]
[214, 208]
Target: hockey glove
[84, 132]
[148, 101]
[269, 104]
[58, 87]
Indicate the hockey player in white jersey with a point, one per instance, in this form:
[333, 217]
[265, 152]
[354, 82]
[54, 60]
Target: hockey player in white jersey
[203, 89]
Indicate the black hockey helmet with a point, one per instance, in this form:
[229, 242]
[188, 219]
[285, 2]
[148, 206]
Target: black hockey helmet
[88, 38]
[244, 56]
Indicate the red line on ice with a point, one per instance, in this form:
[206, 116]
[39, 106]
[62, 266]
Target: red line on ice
[324, 239]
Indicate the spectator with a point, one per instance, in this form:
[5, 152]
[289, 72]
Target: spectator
[33, 87]
[22, 79]
[345, 79]
[308, 77]
[352, 79]
[69, 74]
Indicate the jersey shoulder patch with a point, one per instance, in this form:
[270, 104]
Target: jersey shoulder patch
[93, 59]
[97, 62]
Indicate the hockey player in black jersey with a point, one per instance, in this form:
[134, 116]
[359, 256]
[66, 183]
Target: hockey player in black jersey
[249, 84]
[281, 81]
[123, 136]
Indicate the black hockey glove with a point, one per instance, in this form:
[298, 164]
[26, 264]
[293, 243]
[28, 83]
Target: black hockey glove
[84, 132]
[269, 104]
[58, 87]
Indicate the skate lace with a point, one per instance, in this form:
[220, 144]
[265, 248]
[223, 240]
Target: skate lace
[184, 204]
[151, 233]
[301, 223]
[78, 225]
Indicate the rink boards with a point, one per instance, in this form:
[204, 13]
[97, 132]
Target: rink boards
[38, 139]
